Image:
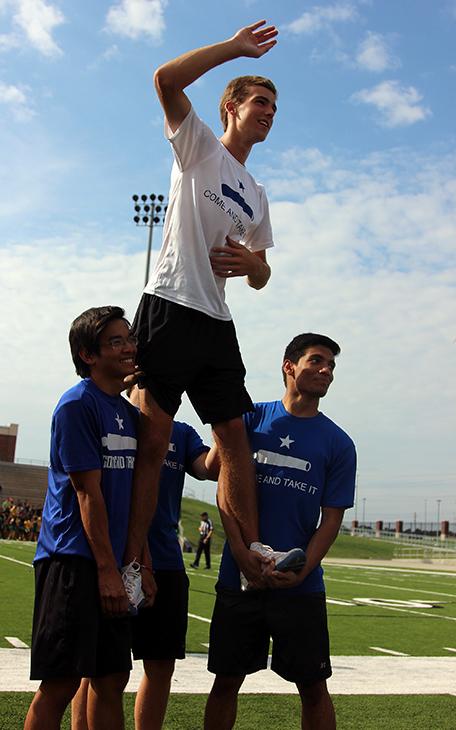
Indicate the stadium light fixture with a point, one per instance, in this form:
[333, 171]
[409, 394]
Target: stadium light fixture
[149, 212]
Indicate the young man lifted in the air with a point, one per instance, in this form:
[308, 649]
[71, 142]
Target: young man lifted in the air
[217, 227]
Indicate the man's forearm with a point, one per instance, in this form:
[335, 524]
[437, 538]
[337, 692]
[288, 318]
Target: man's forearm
[143, 505]
[94, 520]
[260, 276]
[231, 528]
[182, 71]
[322, 540]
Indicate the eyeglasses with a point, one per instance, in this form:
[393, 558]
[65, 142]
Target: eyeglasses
[117, 343]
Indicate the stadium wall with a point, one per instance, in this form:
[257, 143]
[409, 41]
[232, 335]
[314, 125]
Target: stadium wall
[23, 482]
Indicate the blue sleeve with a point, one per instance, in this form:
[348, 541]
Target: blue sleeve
[249, 420]
[77, 436]
[194, 446]
[341, 476]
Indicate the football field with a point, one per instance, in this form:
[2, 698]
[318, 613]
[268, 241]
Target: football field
[393, 637]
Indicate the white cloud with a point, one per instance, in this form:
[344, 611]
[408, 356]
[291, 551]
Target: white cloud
[9, 41]
[322, 17]
[135, 18]
[36, 20]
[398, 105]
[111, 52]
[374, 54]
[16, 99]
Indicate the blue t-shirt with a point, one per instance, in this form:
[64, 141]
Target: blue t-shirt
[90, 430]
[302, 465]
[184, 448]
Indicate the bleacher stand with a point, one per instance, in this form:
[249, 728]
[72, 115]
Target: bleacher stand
[23, 488]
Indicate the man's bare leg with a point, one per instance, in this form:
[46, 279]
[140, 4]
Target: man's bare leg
[104, 702]
[237, 484]
[317, 707]
[79, 707]
[49, 704]
[153, 693]
[221, 706]
[153, 442]
[236, 494]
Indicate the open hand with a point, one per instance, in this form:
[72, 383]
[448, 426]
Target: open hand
[234, 259]
[254, 40]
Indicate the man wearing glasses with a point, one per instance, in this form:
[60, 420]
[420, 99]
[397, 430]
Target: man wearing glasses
[80, 624]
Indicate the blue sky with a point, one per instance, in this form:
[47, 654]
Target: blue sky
[360, 172]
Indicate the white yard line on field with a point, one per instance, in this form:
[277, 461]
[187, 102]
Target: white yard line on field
[199, 618]
[17, 643]
[388, 651]
[389, 587]
[20, 562]
[411, 571]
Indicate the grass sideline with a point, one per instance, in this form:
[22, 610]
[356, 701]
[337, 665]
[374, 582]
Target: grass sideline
[263, 712]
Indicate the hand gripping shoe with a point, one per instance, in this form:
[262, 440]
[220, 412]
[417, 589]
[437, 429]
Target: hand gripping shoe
[131, 577]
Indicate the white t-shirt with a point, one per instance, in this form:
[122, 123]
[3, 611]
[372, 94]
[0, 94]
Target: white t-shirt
[212, 196]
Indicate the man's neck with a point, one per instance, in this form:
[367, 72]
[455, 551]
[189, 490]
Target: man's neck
[239, 149]
[107, 385]
[300, 405]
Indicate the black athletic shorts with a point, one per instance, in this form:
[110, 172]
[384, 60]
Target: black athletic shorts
[243, 622]
[159, 631]
[183, 350]
[71, 637]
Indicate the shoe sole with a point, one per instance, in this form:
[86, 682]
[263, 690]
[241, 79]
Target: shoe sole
[294, 560]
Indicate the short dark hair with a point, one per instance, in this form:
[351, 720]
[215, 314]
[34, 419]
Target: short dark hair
[204, 514]
[238, 89]
[85, 333]
[301, 343]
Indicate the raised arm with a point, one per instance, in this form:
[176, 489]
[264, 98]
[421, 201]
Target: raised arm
[173, 77]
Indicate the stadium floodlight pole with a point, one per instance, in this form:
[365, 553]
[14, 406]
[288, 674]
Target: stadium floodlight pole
[356, 497]
[425, 516]
[438, 516]
[150, 211]
[364, 513]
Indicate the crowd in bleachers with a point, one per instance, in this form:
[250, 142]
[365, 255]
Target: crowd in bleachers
[19, 520]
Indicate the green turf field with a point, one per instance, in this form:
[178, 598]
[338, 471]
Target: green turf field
[262, 712]
[372, 611]
[412, 611]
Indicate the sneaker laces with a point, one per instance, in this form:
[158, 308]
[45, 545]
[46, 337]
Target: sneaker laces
[131, 577]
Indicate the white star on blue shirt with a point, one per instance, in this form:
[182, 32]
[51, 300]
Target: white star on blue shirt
[286, 441]
[119, 422]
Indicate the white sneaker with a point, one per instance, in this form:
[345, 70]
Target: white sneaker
[293, 559]
[289, 560]
[131, 576]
